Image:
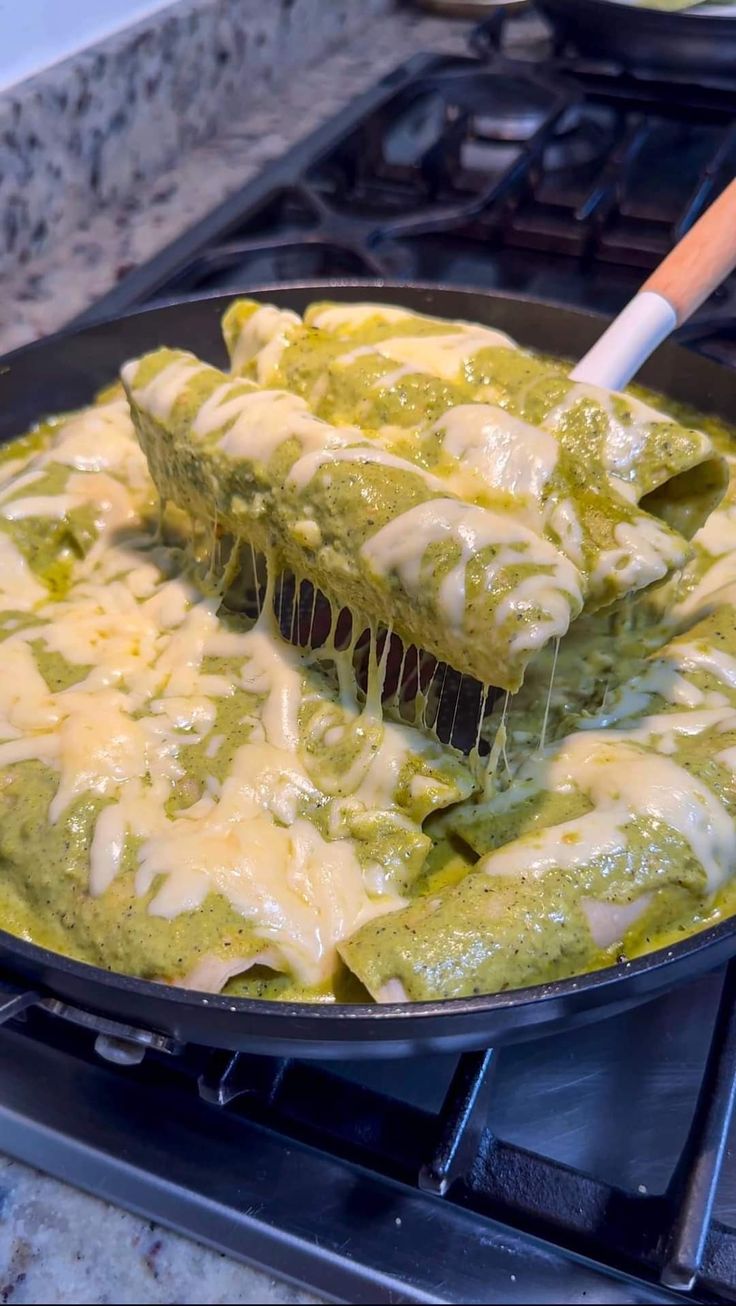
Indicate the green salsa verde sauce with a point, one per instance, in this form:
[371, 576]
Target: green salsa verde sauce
[44, 868]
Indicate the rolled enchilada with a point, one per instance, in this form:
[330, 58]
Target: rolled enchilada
[474, 585]
[620, 834]
[486, 417]
[600, 845]
[477, 538]
[380, 366]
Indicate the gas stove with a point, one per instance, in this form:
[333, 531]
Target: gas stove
[517, 168]
[579, 1167]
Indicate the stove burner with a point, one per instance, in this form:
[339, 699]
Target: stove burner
[417, 129]
[500, 106]
[515, 112]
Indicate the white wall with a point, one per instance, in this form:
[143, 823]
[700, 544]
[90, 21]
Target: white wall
[37, 33]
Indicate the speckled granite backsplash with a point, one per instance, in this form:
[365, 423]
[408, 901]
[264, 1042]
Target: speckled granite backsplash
[89, 130]
[92, 251]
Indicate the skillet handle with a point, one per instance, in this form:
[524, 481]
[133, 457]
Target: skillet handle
[697, 264]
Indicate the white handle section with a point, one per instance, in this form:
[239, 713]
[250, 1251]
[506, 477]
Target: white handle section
[627, 343]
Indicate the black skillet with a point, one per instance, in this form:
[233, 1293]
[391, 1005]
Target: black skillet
[653, 40]
[64, 372]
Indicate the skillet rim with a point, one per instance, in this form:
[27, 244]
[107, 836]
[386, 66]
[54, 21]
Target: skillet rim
[606, 980]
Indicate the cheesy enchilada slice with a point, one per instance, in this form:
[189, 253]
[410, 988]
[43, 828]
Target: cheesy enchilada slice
[474, 585]
[187, 796]
[602, 476]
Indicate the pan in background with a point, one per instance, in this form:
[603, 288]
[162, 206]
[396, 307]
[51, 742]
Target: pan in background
[64, 372]
[470, 8]
[699, 40]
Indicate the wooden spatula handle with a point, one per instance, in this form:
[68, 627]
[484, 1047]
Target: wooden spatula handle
[702, 259]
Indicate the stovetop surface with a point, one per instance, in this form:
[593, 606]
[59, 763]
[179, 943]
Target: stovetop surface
[536, 1175]
[523, 172]
[567, 1187]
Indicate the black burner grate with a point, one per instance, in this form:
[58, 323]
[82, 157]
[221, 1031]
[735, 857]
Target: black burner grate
[106, 1129]
[565, 182]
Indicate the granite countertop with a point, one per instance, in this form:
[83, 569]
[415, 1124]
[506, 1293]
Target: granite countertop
[57, 1244]
[54, 286]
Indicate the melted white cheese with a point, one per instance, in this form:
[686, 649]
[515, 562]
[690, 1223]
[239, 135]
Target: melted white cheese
[624, 442]
[100, 439]
[210, 974]
[508, 453]
[624, 782]
[441, 356]
[563, 520]
[331, 317]
[19, 588]
[646, 551]
[15, 484]
[107, 848]
[276, 672]
[161, 393]
[400, 547]
[301, 893]
[39, 505]
[716, 588]
[703, 657]
[101, 442]
[718, 535]
[263, 337]
[665, 730]
[260, 421]
[306, 467]
[609, 921]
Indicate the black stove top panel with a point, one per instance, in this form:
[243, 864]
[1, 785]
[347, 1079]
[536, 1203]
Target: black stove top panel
[561, 181]
[580, 1168]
